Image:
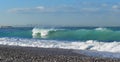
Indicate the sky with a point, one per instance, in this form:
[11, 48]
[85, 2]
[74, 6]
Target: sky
[60, 12]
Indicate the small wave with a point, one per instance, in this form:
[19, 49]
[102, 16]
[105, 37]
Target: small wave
[98, 53]
[87, 45]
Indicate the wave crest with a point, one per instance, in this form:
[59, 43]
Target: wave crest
[102, 34]
[37, 32]
[101, 28]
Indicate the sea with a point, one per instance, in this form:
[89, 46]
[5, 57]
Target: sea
[92, 41]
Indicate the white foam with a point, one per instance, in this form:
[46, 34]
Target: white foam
[101, 29]
[42, 32]
[39, 32]
[98, 53]
[113, 47]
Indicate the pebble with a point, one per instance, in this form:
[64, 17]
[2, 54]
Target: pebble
[27, 54]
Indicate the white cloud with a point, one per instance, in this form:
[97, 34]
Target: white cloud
[61, 9]
[90, 9]
[42, 9]
[18, 9]
[27, 10]
[115, 7]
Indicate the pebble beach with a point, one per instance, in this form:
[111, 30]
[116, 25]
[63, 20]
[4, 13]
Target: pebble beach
[33, 54]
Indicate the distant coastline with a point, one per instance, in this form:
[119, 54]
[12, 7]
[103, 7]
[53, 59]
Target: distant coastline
[64, 26]
[6, 26]
[78, 26]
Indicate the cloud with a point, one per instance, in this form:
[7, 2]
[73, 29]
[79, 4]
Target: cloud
[101, 8]
[42, 9]
[18, 10]
[27, 10]
[115, 7]
[90, 9]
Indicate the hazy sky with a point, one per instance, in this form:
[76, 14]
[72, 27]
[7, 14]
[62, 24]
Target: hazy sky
[60, 12]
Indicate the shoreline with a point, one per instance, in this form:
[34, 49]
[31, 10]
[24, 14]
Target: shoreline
[34, 54]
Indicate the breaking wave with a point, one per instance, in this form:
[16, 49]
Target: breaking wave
[102, 34]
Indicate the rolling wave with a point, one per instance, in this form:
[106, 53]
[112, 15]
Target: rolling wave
[102, 34]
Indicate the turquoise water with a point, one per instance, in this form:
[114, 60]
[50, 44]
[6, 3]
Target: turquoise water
[95, 39]
[16, 32]
[64, 33]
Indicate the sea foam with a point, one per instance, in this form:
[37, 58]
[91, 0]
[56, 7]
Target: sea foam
[86, 45]
[89, 46]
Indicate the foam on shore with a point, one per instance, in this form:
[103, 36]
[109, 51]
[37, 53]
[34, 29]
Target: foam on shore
[103, 47]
